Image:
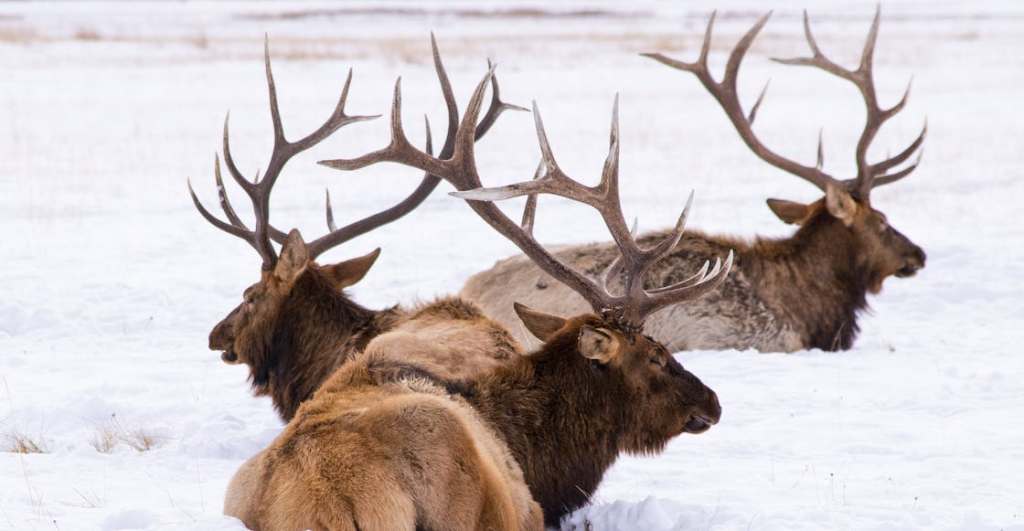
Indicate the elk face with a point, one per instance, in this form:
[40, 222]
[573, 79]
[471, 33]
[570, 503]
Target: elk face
[246, 334]
[880, 249]
[665, 398]
[659, 399]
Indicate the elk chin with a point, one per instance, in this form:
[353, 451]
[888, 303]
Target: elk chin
[230, 357]
[698, 424]
[907, 271]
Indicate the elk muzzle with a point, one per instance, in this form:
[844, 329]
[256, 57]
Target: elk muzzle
[705, 415]
[913, 262]
[222, 338]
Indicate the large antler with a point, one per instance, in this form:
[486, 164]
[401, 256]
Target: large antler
[259, 191]
[868, 175]
[629, 309]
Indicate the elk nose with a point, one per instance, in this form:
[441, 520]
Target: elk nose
[919, 258]
[712, 408]
[219, 337]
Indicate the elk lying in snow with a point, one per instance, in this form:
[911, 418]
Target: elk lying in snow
[596, 388]
[296, 326]
[788, 294]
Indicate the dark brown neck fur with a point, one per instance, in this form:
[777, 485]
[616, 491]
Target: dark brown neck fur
[558, 414]
[318, 329]
[815, 278]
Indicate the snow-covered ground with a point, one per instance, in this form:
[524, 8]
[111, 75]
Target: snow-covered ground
[110, 280]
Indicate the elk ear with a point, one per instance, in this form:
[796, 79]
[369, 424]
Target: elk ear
[840, 204]
[540, 324]
[598, 344]
[789, 212]
[347, 273]
[294, 258]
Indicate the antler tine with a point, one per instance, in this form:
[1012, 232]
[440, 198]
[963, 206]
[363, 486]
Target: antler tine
[727, 96]
[226, 227]
[398, 150]
[401, 148]
[697, 277]
[652, 255]
[496, 107]
[732, 66]
[604, 197]
[820, 160]
[632, 307]
[229, 211]
[460, 170]
[700, 66]
[451, 105]
[259, 190]
[685, 291]
[530, 210]
[891, 162]
[275, 113]
[222, 194]
[757, 104]
[230, 161]
[893, 177]
[338, 236]
[329, 211]
[868, 175]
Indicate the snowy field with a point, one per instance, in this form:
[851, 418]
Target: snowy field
[111, 281]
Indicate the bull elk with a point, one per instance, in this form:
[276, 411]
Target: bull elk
[788, 294]
[597, 386]
[296, 325]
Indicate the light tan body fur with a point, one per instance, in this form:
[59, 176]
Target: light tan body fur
[734, 316]
[382, 446]
[450, 338]
[375, 452]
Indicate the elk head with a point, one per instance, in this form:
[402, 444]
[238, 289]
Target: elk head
[845, 211]
[670, 399]
[246, 334]
[294, 291]
[663, 398]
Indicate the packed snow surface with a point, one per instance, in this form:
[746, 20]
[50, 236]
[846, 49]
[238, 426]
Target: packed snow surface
[111, 281]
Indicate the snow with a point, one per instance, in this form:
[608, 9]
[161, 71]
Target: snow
[111, 281]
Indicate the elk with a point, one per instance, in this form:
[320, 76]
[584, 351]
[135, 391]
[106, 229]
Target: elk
[801, 292]
[296, 325]
[597, 386]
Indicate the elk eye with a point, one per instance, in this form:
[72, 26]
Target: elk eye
[658, 361]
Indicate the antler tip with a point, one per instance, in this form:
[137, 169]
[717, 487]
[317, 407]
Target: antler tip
[483, 194]
[337, 164]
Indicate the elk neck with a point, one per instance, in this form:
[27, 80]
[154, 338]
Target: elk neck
[816, 278]
[558, 416]
[318, 329]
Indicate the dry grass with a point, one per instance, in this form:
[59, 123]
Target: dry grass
[111, 433]
[21, 443]
[105, 439]
[90, 500]
[141, 440]
[18, 35]
[86, 34]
